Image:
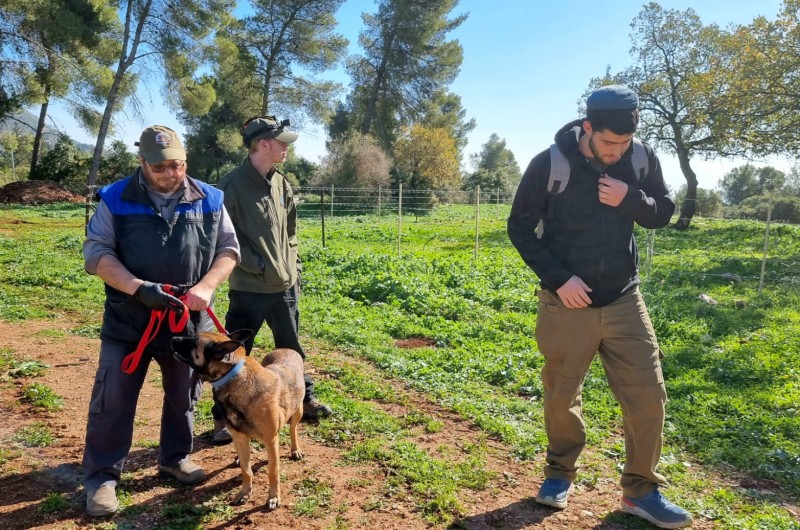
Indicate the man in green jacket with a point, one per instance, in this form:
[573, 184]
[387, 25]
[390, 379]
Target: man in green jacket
[260, 202]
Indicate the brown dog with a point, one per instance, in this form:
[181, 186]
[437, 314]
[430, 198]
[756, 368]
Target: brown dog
[257, 399]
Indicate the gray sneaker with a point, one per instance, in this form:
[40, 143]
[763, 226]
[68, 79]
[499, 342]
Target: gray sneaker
[101, 501]
[221, 434]
[186, 472]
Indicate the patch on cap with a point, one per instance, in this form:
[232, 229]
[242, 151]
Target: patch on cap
[612, 97]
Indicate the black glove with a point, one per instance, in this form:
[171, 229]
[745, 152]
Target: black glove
[153, 296]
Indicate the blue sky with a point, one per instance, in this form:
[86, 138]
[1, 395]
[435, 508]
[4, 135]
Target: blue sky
[526, 65]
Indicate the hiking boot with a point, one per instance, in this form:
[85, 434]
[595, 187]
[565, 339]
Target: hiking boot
[313, 410]
[658, 510]
[554, 492]
[186, 472]
[101, 501]
[221, 434]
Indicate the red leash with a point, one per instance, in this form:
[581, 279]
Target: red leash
[131, 361]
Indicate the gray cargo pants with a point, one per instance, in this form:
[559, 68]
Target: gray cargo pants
[109, 432]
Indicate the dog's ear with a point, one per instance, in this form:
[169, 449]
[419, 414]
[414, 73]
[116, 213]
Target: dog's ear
[240, 335]
[219, 350]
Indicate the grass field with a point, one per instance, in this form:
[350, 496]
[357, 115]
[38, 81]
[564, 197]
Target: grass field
[731, 368]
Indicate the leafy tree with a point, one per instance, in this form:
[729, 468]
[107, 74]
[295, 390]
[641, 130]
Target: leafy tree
[739, 184]
[676, 78]
[15, 155]
[283, 34]
[299, 169]
[355, 161]
[63, 164]
[117, 163]
[406, 60]
[756, 207]
[496, 167]
[763, 102]
[707, 202]
[747, 181]
[444, 111]
[791, 185]
[266, 64]
[172, 33]
[54, 52]
[426, 159]
[10, 101]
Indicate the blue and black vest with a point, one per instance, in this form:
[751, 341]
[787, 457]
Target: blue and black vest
[178, 251]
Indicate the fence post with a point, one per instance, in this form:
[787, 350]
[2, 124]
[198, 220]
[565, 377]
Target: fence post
[399, 217]
[331, 200]
[477, 218]
[379, 200]
[498, 196]
[651, 244]
[89, 194]
[766, 246]
[322, 213]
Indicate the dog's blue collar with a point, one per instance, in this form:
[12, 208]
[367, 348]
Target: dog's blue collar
[225, 379]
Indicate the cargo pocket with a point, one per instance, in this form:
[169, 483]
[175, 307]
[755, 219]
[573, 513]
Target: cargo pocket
[98, 391]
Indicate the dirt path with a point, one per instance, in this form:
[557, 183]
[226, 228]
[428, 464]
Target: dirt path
[29, 475]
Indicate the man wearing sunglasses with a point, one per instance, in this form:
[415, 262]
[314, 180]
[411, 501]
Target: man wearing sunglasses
[260, 201]
[155, 227]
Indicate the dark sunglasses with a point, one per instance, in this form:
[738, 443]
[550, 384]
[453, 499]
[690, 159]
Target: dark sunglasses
[160, 168]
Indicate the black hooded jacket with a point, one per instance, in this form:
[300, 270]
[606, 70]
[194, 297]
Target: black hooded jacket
[583, 237]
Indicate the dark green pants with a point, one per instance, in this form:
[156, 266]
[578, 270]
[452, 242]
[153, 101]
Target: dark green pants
[623, 335]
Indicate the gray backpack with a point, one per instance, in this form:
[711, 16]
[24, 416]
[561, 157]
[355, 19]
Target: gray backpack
[560, 171]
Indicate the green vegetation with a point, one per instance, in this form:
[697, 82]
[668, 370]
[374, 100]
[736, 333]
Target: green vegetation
[731, 368]
[314, 497]
[54, 503]
[43, 397]
[27, 369]
[37, 434]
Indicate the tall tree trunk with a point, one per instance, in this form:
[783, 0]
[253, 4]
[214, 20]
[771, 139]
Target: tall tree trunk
[689, 205]
[126, 60]
[380, 74]
[39, 137]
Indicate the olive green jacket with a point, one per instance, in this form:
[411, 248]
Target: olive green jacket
[264, 216]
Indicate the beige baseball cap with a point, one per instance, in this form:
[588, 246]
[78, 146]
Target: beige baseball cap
[159, 143]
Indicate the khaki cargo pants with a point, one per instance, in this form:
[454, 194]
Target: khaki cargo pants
[623, 335]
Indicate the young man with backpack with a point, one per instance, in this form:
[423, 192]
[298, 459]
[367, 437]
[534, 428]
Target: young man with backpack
[584, 194]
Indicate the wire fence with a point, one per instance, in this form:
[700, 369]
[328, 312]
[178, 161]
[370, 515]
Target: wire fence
[480, 213]
[330, 203]
[333, 201]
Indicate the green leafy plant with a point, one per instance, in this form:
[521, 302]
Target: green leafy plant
[43, 397]
[27, 369]
[37, 434]
[54, 503]
[313, 497]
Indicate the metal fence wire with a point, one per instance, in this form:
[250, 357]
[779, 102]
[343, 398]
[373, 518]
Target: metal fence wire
[325, 204]
[334, 201]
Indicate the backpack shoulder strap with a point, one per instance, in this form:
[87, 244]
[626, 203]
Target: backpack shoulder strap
[558, 179]
[559, 170]
[639, 160]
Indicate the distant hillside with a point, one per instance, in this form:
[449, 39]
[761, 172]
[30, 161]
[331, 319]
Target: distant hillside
[25, 122]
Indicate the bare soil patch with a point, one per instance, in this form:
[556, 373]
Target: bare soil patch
[35, 192]
[415, 342]
[359, 497]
